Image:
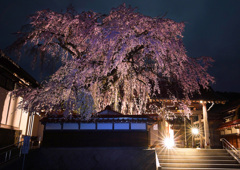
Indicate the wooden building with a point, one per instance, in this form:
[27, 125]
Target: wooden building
[183, 126]
[230, 127]
[14, 122]
[105, 129]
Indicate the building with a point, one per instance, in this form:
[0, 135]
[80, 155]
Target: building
[229, 127]
[196, 130]
[15, 122]
[107, 128]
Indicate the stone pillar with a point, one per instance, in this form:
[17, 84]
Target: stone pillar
[185, 133]
[206, 127]
[193, 140]
[200, 130]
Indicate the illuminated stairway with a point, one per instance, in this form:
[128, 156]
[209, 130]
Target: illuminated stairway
[196, 159]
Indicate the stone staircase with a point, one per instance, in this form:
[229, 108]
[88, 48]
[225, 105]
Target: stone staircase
[196, 159]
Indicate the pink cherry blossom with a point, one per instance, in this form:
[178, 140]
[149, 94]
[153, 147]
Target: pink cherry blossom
[119, 59]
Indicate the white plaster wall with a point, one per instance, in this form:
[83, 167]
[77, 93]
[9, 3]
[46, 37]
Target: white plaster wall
[40, 131]
[35, 125]
[23, 123]
[14, 113]
[153, 131]
[10, 114]
[234, 130]
[5, 109]
[227, 132]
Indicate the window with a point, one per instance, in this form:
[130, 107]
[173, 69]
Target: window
[104, 126]
[87, 126]
[121, 126]
[70, 126]
[138, 126]
[53, 126]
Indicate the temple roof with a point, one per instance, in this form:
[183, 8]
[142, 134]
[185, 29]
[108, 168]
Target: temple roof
[205, 95]
[107, 115]
[232, 124]
[8, 68]
[108, 112]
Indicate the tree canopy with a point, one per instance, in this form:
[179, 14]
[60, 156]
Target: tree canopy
[117, 59]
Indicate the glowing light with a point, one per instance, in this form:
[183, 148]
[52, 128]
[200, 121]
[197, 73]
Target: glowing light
[169, 143]
[195, 131]
[201, 101]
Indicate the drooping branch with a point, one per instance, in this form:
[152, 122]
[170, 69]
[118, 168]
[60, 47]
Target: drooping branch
[118, 59]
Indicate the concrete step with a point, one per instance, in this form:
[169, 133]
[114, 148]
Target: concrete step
[199, 165]
[173, 168]
[229, 157]
[192, 149]
[203, 161]
[194, 152]
[200, 159]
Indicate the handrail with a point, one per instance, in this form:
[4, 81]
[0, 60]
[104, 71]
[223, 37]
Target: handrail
[14, 150]
[10, 152]
[158, 166]
[15, 144]
[231, 149]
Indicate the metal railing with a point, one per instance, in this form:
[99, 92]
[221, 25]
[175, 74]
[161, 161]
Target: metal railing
[10, 152]
[231, 149]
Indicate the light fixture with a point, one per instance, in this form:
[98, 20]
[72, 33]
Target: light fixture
[195, 131]
[169, 143]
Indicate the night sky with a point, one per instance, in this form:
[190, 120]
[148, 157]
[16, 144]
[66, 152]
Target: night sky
[212, 28]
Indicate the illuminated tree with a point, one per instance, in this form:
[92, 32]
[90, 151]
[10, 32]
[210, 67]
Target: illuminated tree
[118, 59]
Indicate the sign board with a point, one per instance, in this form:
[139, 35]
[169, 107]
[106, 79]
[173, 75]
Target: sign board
[26, 143]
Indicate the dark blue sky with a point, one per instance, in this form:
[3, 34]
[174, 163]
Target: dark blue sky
[212, 28]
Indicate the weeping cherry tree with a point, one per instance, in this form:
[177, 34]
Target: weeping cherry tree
[119, 59]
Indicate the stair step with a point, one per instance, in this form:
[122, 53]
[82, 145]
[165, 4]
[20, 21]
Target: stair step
[196, 157]
[173, 168]
[190, 150]
[194, 153]
[204, 161]
[199, 165]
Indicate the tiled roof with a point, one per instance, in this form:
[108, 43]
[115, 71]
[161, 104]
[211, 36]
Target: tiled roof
[235, 123]
[9, 67]
[103, 116]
